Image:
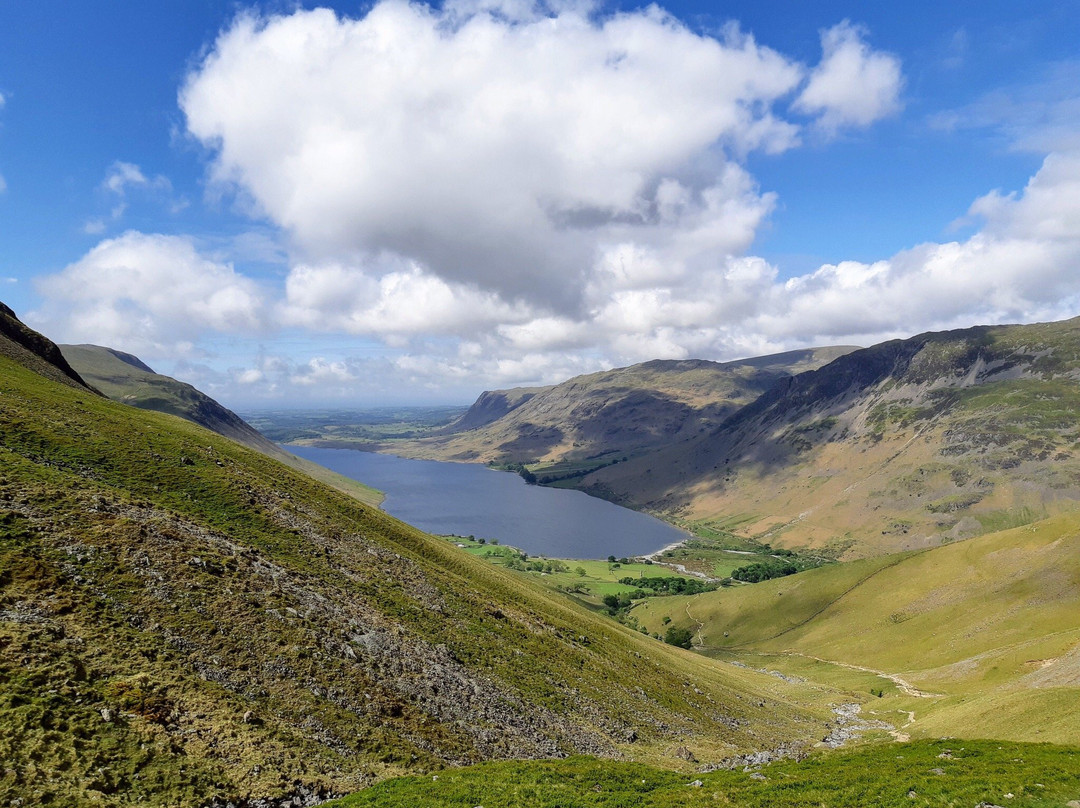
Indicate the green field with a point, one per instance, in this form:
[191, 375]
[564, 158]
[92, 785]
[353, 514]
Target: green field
[963, 774]
[596, 579]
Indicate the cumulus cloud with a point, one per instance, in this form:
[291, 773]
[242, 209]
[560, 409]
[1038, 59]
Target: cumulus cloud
[147, 293]
[403, 301]
[497, 145]
[853, 85]
[1022, 265]
[504, 192]
[120, 179]
[123, 175]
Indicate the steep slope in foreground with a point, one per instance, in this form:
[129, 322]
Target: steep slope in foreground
[991, 626]
[908, 444]
[183, 619]
[596, 419]
[127, 379]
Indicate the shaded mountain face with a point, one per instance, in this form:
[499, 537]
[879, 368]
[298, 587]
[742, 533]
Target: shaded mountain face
[602, 417]
[907, 444]
[125, 378]
[184, 620]
[29, 348]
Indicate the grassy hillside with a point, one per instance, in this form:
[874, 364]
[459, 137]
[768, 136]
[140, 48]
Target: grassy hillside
[941, 773]
[127, 379]
[902, 446]
[595, 420]
[991, 626]
[183, 619]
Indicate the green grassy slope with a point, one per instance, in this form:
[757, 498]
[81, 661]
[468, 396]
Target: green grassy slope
[125, 378]
[906, 445]
[991, 624]
[941, 773]
[182, 619]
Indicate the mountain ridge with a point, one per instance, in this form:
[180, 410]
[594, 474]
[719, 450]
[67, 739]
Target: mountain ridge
[600, 417]
[906, 444]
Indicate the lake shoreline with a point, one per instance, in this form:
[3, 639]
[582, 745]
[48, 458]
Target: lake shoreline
[446, 497]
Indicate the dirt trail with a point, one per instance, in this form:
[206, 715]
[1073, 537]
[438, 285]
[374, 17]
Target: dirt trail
[899, 734]
[698, 638]
[905, 687]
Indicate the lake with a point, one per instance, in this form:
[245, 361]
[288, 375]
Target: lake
[466, 499]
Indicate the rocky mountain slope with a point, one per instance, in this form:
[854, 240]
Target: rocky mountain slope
[600, 418]
[905, 445]
[184, 621]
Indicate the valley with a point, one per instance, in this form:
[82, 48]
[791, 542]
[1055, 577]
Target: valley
[539, 404]
[185, 619]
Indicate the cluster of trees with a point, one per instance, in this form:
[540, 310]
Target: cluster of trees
[670, 585]
[764, 570]
[681, 637]
[523, 563]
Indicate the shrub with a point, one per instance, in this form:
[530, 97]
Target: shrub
[681, 637]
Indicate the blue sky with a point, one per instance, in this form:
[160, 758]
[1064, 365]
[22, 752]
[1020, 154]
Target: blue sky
[395, 203]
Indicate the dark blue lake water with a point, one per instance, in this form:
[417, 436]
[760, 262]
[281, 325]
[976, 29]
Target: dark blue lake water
[468, 499]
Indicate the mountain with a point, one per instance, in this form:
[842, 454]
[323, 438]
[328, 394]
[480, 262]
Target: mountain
[598, 419]
[185, 621]
[22, 344]
[904, 445]
[125, 378]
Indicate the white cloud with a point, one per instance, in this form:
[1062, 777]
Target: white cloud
[503, 192]
[150, 293]
[853, 85]
[405, 300]
[496, 145]
[1023, 265]
[121, 175]
[121, 178]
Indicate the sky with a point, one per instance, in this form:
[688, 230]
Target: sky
[301, 205]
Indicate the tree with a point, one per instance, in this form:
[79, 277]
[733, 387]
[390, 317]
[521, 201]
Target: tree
[580, 571]
[681, 637]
